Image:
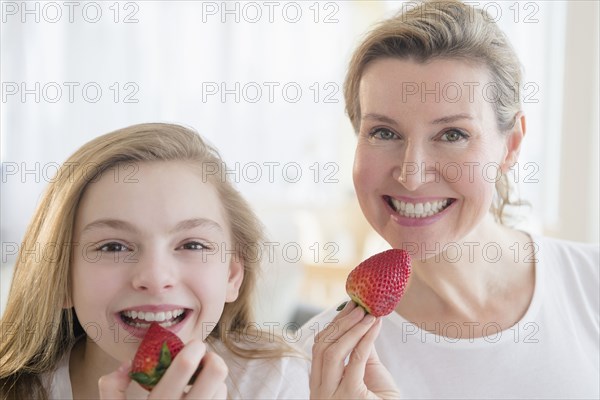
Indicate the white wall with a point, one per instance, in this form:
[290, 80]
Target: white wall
[169, 55]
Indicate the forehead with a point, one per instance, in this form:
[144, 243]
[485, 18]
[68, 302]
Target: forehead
[440, 85]
[151, 196]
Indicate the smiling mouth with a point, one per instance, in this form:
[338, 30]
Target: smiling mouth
[143, 319]
[418, 210]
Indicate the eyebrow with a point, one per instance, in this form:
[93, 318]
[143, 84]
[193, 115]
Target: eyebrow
[443, 120]
[451, 118]
[126, 226]
[380, 118]
[110, 223]
[196, 222]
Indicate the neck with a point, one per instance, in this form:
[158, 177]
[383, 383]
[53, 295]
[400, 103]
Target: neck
[472, 280]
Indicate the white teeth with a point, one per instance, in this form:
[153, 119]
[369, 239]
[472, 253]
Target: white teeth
[418, 210]
[166, 319]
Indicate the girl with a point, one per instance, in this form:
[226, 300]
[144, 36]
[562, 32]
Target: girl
[489, 311]
[140, 225]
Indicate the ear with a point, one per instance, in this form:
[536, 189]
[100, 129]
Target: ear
[513, 142]
[236, 276]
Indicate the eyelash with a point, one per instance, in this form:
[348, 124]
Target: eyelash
[374, 133]
[200, 244]
[110, 247]
[462, 135]
[105, 247]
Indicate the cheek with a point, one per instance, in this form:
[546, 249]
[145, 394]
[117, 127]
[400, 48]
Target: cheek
[366, 170]
[209, 283]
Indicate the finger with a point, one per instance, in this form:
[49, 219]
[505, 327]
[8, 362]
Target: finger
[177, 376]
[210, 381]
[114, 385]
[350, 305]
[222, 392]
[330, 328]
[331, 334]
[333, 362]
[378, 379]
[340, 325]
[361, 355]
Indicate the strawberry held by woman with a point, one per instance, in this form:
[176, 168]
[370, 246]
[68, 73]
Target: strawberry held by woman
[377, 284]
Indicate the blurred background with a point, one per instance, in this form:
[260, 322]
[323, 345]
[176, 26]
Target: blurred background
[262, 81]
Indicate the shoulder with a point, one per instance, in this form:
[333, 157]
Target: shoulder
[573, 269]
[568, 257]
[58, 382]
[586, 252]
[284, 377]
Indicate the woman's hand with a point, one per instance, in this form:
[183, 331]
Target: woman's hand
[351, 335]
[209, 384]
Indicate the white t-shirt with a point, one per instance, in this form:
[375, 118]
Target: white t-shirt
[553, 352]
[276, 378]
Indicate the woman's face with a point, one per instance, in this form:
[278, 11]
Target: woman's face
[429, 151]
[152, 246]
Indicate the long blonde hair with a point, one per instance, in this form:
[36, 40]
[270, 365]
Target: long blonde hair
[444, 29]
[37, 329]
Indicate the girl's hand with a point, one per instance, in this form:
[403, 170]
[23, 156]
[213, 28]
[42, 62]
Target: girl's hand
[350, 335]
[209, 384]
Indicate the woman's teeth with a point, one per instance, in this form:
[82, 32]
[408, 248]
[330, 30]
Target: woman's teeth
[141, 319]
[418, 210]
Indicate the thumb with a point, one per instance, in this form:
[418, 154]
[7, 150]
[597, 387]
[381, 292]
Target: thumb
[114, 385]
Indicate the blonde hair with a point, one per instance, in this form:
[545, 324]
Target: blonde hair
[444, 29]
[36, 329]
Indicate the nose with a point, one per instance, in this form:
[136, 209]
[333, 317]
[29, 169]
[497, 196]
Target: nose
[415, 168]
[153, 274]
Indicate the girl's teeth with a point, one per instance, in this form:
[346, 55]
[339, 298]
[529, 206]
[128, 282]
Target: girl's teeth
[139, 318]
[418, 210]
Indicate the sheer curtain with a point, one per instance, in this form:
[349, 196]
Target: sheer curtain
[262, 81]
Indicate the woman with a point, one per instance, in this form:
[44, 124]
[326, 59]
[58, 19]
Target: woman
[489, 311]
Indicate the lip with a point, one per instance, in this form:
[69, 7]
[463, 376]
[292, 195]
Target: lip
[417, 222]
[141, 332]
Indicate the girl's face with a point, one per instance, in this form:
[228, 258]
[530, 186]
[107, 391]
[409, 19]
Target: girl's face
[153, 245]
[429, 151]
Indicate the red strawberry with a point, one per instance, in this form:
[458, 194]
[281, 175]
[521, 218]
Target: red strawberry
[378, 283]
[156, 352]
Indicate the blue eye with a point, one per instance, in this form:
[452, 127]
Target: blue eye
[383, 134]
[113, 247]
[454, 135]
[194, 246]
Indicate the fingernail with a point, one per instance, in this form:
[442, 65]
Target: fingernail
[357, 311]
[368, 319]
[125, 366]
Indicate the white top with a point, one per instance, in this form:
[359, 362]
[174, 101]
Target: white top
[553, 352]
[276, 378]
